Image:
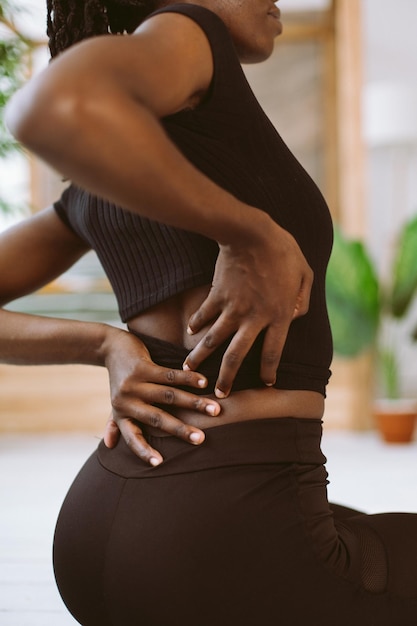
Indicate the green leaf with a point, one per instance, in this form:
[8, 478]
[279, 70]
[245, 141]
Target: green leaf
[352, 297]
[14, 49]
[404, 286]
[390, 375]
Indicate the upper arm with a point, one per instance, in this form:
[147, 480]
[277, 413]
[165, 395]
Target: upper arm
[34, 252]
[172, 63]
[164, 65]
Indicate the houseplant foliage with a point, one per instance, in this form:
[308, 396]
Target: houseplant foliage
[353, 296]
[364, 309]
[15, 49]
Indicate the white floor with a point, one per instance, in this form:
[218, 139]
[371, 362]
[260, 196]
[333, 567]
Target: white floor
[35, 472]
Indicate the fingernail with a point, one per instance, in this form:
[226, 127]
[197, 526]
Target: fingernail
[190, 330]
[202, 382]
[186, 367]
[196, 437]
[270, 384]
[212, 409]
[154, 461]
[219, 393]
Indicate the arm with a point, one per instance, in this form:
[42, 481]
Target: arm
[33, 253]
[166, 66]
[114, 144]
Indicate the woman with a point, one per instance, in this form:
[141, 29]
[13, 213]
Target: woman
[211, 259]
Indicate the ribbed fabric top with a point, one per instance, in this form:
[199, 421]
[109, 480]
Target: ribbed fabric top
[230, 139]
[145, 261]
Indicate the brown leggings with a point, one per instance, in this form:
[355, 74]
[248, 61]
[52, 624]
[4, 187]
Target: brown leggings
[236, 532]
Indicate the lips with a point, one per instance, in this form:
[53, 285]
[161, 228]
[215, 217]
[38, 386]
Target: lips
[275, 12]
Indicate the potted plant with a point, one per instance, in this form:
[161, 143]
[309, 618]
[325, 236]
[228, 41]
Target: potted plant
[369, 312]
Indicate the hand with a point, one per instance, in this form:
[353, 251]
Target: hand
[136, 384]
[258, 286]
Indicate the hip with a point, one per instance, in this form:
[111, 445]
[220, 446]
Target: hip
[270, 441]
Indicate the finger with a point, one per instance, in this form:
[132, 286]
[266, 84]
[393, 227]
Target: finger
[272, 348]
[136, 442]
[216, 336]
[158, 418]
[158, 394]
[111, 433]
[151, 394]
[208, 311]
[303, 298]
[178, 378]
[232, 359]
[139, 406]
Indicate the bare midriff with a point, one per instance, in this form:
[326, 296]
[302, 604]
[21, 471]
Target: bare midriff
[168, 321]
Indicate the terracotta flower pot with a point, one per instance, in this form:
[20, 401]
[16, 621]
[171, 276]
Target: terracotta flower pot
[396, 419]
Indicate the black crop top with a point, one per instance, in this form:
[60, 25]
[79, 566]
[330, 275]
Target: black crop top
[230, 139]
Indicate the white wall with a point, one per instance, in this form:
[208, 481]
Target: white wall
[390, 40]
[390, 56]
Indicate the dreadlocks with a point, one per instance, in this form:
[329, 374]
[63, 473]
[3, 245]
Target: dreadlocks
[70, 21]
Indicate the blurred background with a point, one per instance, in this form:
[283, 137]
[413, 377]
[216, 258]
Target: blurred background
[341, 88]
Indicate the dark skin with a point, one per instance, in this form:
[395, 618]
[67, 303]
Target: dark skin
[164, 67]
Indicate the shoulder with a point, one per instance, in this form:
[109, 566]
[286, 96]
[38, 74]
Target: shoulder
[206, 18]
[183, 25]
[189, 20]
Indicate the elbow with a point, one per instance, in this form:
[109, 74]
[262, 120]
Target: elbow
[16, 117]
[26, 114]
[56, 110]
[39, 117]
[65, 124]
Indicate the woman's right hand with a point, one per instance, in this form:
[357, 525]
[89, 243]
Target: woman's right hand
[261, 283]
[137, 384]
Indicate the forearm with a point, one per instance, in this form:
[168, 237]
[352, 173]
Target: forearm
[116, 148]
[34, 340]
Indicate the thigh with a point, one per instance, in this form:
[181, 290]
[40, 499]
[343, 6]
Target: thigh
[388, 545]
[341, 512]
[225, 546]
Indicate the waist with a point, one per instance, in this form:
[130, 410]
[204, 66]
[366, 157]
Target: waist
[255, 442]
[249, 400]
[290, 376]
[254, 404]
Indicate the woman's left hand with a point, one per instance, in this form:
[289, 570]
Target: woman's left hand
[139, 387]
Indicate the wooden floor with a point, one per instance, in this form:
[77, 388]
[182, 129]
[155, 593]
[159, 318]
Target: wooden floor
[35, 472]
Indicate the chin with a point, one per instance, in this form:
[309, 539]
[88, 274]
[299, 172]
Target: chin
[256, 56]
